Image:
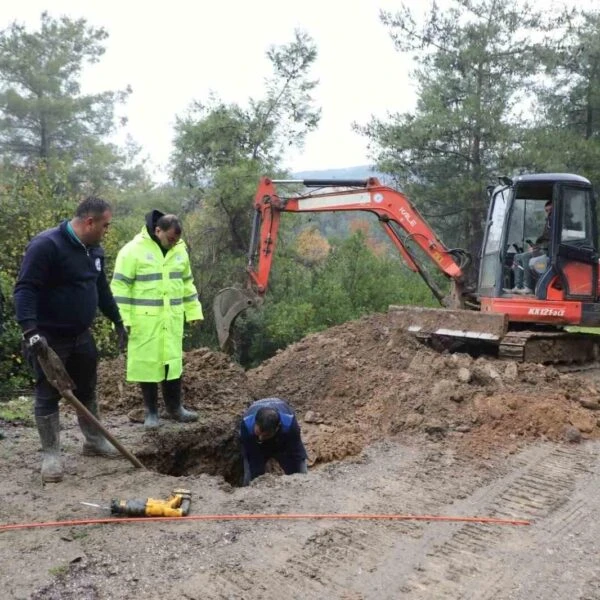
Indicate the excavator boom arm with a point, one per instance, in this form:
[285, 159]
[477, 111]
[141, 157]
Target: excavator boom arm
[395, 212]
[398, 217]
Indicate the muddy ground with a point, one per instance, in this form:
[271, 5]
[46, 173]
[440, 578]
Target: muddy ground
[391, 427]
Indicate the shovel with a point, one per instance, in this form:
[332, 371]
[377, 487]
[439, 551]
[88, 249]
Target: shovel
[57, 375]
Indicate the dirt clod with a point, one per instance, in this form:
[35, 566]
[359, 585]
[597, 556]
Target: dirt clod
[572, 434]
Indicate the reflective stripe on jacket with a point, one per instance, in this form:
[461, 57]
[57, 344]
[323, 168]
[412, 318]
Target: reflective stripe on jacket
[155, 293]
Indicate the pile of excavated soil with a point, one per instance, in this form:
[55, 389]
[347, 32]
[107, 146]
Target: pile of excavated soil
[367, 380]
[211, 384]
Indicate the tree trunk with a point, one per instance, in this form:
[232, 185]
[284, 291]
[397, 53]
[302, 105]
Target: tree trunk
[476, 212]
[589, 121]
[44, 141]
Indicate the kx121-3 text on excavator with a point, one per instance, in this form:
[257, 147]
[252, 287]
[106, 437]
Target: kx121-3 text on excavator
[554, 323]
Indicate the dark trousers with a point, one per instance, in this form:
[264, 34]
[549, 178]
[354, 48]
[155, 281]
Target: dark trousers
[171, 389]
[80, 357]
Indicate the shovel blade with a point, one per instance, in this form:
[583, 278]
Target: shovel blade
[228, 304]
[55, 371]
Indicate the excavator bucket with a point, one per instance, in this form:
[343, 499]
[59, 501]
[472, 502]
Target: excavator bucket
[228, 304]
[443, 323]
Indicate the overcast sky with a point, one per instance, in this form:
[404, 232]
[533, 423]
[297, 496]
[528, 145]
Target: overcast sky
[171, 53]
[180, 50]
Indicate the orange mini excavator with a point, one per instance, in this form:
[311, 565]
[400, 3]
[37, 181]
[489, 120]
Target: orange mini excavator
[553, 323]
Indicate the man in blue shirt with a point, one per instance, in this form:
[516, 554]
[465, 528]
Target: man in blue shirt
[269, 429]
[61, 285]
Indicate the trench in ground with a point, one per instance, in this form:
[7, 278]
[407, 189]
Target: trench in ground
[210, 448]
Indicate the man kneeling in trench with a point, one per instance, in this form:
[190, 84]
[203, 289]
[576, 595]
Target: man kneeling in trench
[269, 429]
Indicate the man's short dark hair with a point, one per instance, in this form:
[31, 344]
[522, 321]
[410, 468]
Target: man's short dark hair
[92, 206]
[168, 222]
[267, 419]
[548, 203]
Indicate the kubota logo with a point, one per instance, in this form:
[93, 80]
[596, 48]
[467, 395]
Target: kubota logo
[547, 312]
[407, 216]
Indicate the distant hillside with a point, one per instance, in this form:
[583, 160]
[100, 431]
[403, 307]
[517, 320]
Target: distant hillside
[358, 172]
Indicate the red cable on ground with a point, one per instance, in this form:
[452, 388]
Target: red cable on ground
[265, 517]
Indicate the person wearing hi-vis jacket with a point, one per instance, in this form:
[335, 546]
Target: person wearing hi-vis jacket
[153, 285]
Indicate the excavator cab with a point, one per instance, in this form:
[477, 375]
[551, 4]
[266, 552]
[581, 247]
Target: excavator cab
[566, 262]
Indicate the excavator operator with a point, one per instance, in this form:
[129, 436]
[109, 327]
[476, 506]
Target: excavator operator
[529, 265]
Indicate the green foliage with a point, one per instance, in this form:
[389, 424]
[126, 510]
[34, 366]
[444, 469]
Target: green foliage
[286, 114]
[31, 200]
[475, 63]
[215, 135]
[565, 136]
[571, 97]
[289, 322]
[14, 373]
[18, 410]
[44, 116]
[208, 137]
[59, 571]
[351, 283]
[221, 150]
[355, 281]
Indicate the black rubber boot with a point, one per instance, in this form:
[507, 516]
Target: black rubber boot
[171, 390]
[150, 395]
[95, 443]
[49, 430]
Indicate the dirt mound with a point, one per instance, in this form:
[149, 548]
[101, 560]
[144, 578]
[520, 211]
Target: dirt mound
[211, 383]
[366, 380]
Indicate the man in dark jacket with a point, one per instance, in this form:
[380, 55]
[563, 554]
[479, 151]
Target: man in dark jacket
[60, 286]
[269, 429]
[525, 275]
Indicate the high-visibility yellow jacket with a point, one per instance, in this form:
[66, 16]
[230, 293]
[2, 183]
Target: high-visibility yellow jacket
[155, 293]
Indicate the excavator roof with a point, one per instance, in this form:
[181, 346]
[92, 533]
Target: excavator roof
[550, 177]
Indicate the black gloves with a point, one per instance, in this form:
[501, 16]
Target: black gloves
[36, 343]
[122, 336]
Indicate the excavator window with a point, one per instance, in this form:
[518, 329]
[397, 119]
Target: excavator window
[526, 224]
[491, 251]
[518, 223]
[576, 218]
